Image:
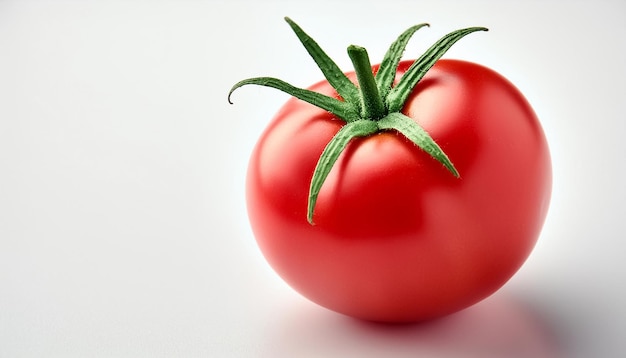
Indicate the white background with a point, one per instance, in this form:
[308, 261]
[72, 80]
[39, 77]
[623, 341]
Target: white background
[123, 230]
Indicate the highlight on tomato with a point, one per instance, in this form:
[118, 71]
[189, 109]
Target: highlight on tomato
[401, 191]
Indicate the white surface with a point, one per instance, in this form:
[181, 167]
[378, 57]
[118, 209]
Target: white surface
[123, 230]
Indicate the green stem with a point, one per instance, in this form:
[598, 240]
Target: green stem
[373, 107]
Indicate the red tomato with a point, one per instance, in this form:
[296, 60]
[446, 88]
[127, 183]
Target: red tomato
[397, 238]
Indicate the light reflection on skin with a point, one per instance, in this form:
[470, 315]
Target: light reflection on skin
[499, 326]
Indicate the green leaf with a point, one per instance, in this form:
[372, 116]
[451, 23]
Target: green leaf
[345, 88]
[334, 148]
[400, 93]
[389, 65]
[339, 108]
[416, 134]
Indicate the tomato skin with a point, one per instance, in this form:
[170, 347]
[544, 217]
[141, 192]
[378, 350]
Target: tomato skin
[397, 237]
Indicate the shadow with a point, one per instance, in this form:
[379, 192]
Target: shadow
[499, 326]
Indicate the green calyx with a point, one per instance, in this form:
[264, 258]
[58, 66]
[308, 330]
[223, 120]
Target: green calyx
[372, 106]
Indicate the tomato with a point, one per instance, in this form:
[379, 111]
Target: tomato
[396, 237]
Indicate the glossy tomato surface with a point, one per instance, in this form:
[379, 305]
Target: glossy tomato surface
[397, 237]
